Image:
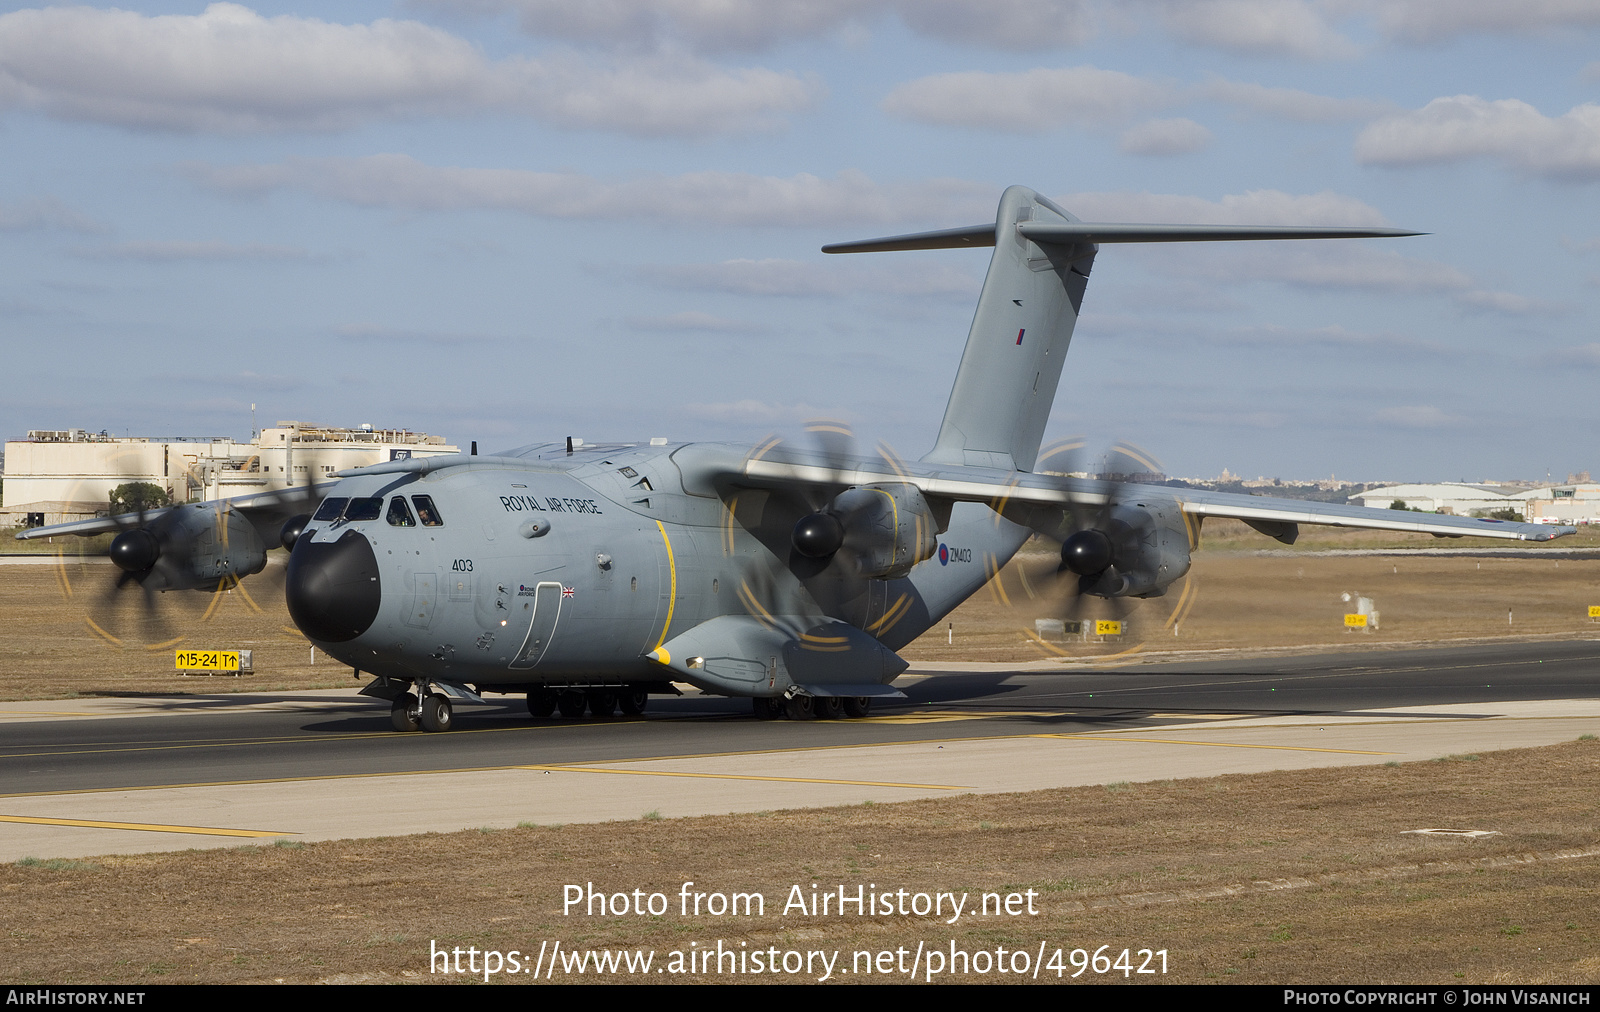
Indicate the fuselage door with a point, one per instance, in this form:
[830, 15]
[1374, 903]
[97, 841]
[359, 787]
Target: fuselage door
[424, 595]
[546, 612]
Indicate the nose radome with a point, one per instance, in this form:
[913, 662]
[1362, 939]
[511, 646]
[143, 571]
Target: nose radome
[333, 587]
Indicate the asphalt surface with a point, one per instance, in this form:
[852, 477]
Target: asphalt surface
[243, 737]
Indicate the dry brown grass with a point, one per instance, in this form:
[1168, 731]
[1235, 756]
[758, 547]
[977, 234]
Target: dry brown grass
[1300, 876]
[49, 650]
[1236, 601]
[1240, 601]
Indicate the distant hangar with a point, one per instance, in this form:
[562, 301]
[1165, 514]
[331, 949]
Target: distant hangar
[1577, 502]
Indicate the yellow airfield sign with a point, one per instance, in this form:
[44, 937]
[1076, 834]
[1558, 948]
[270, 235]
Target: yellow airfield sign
[1355, 621]
[1107, 627]
[208, 660]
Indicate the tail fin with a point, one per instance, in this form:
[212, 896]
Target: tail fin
[1007, 380]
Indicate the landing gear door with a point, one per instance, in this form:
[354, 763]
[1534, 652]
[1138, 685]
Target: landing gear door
[546, 612]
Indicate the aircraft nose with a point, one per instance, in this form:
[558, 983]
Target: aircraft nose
[333, 587]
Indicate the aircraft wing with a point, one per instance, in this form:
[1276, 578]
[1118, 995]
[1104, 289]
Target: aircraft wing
[279, 504]
[1002, 489]
[1264, 509]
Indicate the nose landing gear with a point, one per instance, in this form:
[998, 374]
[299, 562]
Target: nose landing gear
[432, 714]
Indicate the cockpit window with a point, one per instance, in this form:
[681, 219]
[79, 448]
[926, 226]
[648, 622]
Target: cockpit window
[400, 513]
[364, 509]
[427, 512]
[331, 508]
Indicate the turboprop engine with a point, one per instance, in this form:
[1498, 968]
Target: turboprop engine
[1130, 550]
[189, 548]
[886, 529]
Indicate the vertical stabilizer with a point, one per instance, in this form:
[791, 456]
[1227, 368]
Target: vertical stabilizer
[1018, 342]
[1029, 305]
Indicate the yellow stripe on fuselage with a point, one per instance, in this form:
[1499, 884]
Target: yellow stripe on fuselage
[672, 598]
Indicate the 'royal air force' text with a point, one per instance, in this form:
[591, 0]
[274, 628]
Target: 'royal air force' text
[531, 504]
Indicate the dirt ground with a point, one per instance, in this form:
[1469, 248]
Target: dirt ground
[1233, 599]
[1286, 877]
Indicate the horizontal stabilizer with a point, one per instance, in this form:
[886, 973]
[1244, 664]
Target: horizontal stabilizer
[973, 236]
[1093, 231]
[947, 238]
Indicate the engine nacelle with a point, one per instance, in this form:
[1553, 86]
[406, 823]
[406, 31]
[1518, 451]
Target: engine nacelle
[888, 528]
[190, 548]
[1148, 545]
[1131, 548]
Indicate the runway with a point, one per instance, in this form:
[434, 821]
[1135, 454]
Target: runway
[153, 773]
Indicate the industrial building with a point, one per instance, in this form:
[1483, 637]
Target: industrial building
[1577, 502]
[56, 476]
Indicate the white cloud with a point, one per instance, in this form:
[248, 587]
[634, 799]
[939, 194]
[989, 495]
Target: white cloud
[1291, 104]
[1017, 25]
[390, 335]
[1418, 416]
[1254, 207]
[1338, 264]
[44, 212]
[751, 25]
[692, 320]
[1331, 264]
[1466, 126]
[1159, 137]
[1508, 303]
[173, 250]
[1257, 27]
[1270, 420]
[1587, 355]
[1433, 20]
[401, 182]
[228, 69]
[797, 279]
[754, 412]
[663, 94]
[1029, 101]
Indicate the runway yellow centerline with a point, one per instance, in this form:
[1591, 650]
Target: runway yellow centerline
[30, 820]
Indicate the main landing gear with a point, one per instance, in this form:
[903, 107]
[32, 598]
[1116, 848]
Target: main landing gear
[599, 702]
[802, 707]
[432, 710]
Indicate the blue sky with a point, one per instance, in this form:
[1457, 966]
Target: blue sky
[513, 220]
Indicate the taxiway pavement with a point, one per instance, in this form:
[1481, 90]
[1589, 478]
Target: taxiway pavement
[147, 773]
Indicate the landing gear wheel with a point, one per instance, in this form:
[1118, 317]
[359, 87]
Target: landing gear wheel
[857, 706]
[634, 701]
[800, 707]
[541, 704]
[436, 713]
[830, 708]
[403, 712]
[572, 703]
[602, 703]
[766, 708]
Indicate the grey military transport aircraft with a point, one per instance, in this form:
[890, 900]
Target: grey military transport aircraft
[590, 576]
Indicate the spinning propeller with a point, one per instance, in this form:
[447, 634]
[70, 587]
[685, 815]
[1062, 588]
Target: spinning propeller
[829, 535]
[1104, 555]
[207, 547]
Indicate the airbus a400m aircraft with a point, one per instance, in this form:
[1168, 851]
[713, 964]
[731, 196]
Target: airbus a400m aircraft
[589, 576]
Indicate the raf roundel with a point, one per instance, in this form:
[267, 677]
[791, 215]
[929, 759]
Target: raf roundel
[944, 554]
